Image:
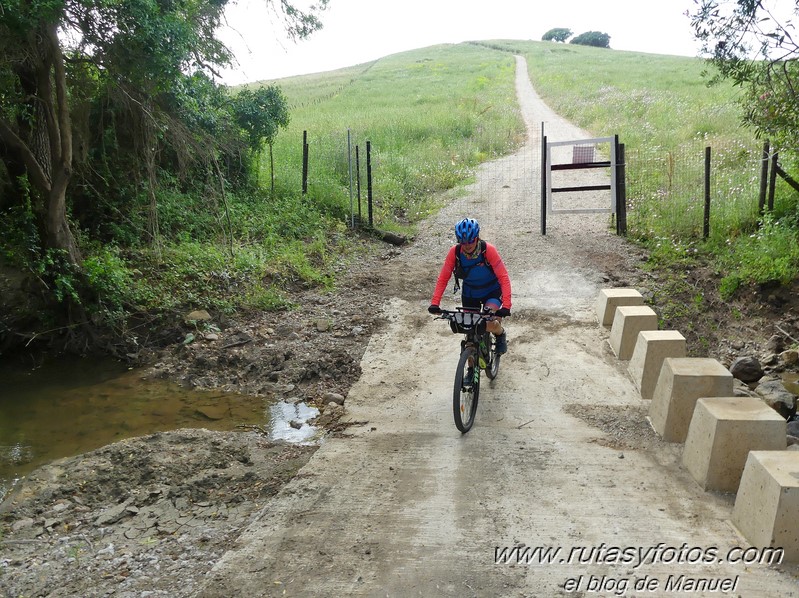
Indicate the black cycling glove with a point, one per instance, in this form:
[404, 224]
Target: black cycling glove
[434, 309]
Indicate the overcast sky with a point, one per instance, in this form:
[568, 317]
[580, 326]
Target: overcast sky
[357, 31]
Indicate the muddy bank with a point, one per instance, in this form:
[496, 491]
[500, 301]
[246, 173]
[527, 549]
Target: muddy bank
[142, 517]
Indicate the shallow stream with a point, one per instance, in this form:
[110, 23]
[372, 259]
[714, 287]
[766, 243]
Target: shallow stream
[74, 406]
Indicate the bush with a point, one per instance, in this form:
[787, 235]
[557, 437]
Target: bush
[592, 38]
[770, 255]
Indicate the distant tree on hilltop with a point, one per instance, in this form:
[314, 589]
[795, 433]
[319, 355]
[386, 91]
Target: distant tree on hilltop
[558, 34]
[592, 38]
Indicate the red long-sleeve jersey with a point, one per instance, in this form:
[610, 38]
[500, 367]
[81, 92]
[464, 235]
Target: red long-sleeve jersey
[492, 258]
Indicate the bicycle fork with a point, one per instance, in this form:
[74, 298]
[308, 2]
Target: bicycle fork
[475, 354]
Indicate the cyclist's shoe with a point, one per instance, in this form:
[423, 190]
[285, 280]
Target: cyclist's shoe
[468, 379]
[502, 344]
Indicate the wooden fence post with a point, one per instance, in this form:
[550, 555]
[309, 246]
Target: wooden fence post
[772, 181]
[761, 200]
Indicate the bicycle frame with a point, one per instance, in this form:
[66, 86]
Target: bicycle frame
[477, 353]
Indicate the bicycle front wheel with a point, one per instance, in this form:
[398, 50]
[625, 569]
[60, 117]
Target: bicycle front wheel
[466, 391]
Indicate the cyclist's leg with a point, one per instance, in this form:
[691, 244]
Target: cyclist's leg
[471, 303]
[493, 303]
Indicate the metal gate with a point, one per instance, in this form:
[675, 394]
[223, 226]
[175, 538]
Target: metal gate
[583, 157]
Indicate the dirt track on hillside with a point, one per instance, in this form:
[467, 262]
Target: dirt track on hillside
[407, 506]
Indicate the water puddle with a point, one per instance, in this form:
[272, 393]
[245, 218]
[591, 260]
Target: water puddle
[790, 380]
[75, 406]
[289, 422]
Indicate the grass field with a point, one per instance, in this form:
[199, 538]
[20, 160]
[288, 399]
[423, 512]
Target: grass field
[431, 116]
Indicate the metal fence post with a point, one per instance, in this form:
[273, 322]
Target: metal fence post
[304, 162]
[369, 180]
[349, 167]
[706, 219]
[358, 181]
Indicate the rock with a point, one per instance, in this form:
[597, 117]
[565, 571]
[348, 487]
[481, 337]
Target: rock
[213, 412]
[333, 409]
[332, 397]
[746, 369]
[322, 325]
[113, 514]
[792, 428]
[740, 389]
[774, 394]
[198, 315]
[22, 524]
[790, 357]
[774, 344]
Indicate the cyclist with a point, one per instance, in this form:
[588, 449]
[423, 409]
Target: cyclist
[485, 280]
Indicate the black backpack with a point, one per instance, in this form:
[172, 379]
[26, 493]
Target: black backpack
[460, 271]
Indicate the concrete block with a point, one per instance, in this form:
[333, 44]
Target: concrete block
[767, 504]
[683, 380]
[610, 299]
[722, 432]
[629, 321]
[651, 348]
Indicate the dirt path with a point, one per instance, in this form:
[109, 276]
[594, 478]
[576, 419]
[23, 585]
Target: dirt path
[560, 456]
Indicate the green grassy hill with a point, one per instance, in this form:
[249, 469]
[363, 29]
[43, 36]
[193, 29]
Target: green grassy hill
[432, 114]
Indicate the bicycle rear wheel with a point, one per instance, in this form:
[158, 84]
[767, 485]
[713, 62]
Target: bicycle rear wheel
[466, 392]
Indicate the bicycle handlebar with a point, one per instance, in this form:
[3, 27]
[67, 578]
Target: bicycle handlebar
[485, 314]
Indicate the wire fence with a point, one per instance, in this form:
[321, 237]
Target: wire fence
[666, 190]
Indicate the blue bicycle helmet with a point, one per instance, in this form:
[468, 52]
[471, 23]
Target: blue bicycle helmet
[467, 230]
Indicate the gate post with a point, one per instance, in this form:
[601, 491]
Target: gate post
[543, 181]
[621, 188]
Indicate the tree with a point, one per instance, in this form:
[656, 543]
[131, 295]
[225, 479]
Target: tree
[755, 48]
[559, 34]
[58, 56]
[592, 38]
[260, 113]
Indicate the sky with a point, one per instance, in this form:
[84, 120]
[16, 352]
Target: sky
[359, 31]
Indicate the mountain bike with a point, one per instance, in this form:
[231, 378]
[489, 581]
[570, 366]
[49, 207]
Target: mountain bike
[478, 352]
